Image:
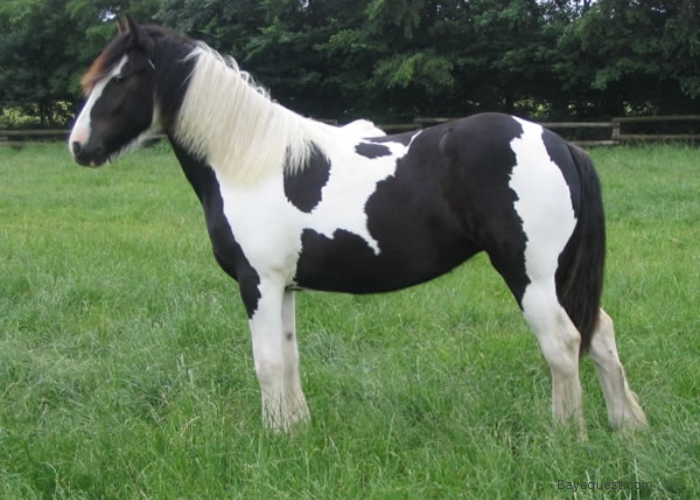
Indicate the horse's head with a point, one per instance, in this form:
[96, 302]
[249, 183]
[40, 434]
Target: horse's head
[120, 91]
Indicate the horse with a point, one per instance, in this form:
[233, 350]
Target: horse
[294, 204]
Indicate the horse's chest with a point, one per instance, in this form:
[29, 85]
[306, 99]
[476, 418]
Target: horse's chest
[257, 223]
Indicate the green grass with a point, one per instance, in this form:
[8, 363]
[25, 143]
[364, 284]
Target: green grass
[126, 370]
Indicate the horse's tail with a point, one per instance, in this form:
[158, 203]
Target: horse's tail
[579, 277]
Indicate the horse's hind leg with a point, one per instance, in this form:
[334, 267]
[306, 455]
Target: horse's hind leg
[557, 336]
[560, 342]
[623, 408]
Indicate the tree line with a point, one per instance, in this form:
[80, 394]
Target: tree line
[387, 60]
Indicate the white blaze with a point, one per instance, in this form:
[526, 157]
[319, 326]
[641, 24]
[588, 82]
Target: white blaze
[82, 128]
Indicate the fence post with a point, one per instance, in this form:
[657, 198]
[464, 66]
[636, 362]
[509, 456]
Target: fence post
[615, 137]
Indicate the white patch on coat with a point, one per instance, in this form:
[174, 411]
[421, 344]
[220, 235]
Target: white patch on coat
[82, 128]
[353, 179]
[543, 204]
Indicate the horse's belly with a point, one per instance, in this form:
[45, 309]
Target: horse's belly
[346, 263]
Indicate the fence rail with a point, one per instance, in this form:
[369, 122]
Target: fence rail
[21, 137]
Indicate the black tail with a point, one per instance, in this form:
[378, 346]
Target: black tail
[579, 276]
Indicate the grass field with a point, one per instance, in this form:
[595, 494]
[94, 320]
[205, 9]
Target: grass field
[126, 370]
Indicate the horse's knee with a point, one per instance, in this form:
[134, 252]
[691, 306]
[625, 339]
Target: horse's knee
[603, 349]
[605, 326]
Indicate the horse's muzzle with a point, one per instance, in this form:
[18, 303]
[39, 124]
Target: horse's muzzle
[87, 157]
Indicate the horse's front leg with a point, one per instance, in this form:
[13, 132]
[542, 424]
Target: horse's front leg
[298, 410]
[275, 356]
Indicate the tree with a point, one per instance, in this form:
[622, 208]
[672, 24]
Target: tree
[640, 56]
[397, 58]
[34, 74]
[387, 59]
[227, 25]
[45, 46]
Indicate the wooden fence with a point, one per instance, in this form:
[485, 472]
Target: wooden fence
[21, 137]
[617, 133]
[618, 136]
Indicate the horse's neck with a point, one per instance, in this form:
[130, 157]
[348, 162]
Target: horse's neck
[173, 69]
[201, 176]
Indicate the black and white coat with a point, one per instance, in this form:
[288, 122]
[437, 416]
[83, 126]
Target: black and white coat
[291, 203]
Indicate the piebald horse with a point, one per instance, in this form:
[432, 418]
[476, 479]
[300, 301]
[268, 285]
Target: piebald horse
[293, 204]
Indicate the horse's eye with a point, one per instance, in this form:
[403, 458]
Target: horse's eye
[119, 78]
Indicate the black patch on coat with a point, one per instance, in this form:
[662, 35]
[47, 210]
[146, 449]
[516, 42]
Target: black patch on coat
[344, 262]
[479, 190]
[304, 187]
[559, 152]
[227, 251]
[370, 150]
[448, 200]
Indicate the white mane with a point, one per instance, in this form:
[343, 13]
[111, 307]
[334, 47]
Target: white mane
[231, 123]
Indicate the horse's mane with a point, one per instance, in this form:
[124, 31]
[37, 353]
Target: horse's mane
[231, 122]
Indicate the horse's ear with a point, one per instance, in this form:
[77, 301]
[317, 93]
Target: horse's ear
[130, 24]
[139, 38]
[121, 26]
